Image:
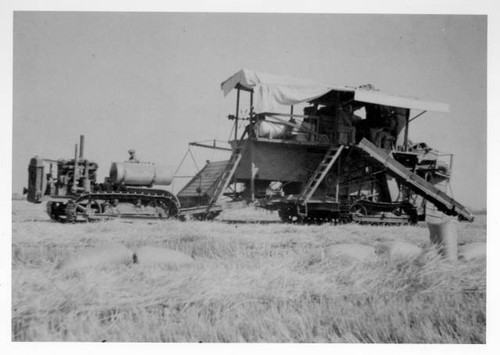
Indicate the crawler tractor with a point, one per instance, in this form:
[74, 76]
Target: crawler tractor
[73, 193]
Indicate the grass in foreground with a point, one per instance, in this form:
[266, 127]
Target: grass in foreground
[249, 283]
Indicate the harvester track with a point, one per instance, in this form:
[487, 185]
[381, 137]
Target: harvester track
[360, 212]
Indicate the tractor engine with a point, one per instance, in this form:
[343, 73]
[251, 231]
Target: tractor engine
[59, 178]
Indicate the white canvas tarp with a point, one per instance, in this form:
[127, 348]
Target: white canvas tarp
[270, 91]
[250, 79]
[376, 97]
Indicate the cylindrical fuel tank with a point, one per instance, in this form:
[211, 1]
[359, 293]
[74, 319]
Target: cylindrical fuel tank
[139, 174]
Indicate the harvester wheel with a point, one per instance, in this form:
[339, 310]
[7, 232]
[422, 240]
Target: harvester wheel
[359, 209]
[206, 216]
[398, 211]
[166, 209]
[288, 214]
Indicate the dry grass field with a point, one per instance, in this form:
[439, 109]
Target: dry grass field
[249, 282]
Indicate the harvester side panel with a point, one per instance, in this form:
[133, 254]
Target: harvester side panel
[276, 162]
[410, 179]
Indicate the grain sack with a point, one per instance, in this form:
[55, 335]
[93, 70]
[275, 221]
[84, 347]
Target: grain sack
[355, 251]
[401, 250]
[155, 255]
[107, 254]
[472, 251]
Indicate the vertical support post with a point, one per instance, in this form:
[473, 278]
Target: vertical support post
[337, 185]
[337, 139]
[237, 114]
[251, 104]
[252, 156]
[252, 171]
[291, 110]
[406, 130]
[236, 129]
[75, 170]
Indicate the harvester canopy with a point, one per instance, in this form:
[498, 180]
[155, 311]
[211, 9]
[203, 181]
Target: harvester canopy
[272, 90]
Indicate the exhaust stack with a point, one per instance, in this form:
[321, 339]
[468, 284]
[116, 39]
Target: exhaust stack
[82, 145]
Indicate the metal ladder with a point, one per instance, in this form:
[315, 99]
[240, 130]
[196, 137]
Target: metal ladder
[323, 168]
[225, 178]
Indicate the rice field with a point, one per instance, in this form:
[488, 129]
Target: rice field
[248, 282]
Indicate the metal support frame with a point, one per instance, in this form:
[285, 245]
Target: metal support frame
[214, 146]
[75, 169]
[420, 114]
[337, 185]
[252, 157]
[406, 131]
[236, 124]
[237, 114]
[252, 171]
[408, 120]
[251, 103]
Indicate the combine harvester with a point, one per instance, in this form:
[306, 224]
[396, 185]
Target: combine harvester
[345, 157]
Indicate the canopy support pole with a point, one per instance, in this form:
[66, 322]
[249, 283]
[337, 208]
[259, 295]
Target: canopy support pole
[408, 120]
[406, 130]
[251, 103]
[236, 128]
[253, 171]
[420, 114]
[237, 114]
[252, 155]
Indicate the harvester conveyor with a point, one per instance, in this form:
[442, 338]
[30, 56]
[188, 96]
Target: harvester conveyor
[410, 179]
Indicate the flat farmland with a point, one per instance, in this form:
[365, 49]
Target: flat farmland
[248, 282]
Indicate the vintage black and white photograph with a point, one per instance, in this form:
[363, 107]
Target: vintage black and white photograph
[245, 177]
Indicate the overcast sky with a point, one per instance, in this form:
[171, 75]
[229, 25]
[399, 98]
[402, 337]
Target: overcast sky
[151, 81]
